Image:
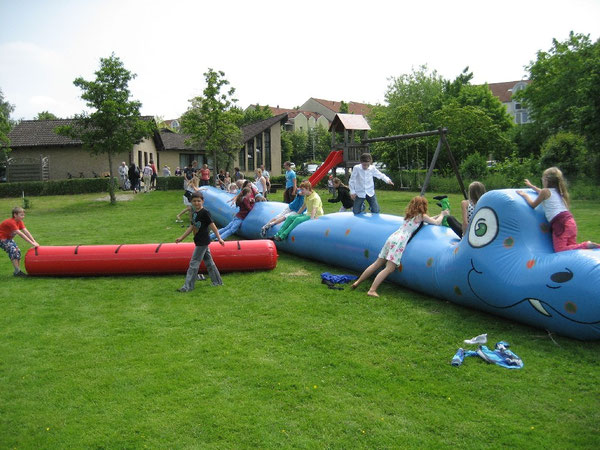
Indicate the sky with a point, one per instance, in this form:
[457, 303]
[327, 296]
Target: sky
[273, 52]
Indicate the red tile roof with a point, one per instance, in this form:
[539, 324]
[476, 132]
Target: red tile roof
[501, 90]
[353, 107]
[292, 112]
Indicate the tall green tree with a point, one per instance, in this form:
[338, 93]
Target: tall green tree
[344, 107]
[114, 125]
[564, 93]
[212, 120]
[46, 115]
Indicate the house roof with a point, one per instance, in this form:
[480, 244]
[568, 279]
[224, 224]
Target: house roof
[174, 141]
[349, 122]
[40, 133]
[292, 113]
[353, 107]
[504, 90]
[250, 131]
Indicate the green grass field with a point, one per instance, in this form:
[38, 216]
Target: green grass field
[270, 359]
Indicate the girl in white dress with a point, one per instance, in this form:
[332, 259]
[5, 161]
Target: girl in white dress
[391, 253]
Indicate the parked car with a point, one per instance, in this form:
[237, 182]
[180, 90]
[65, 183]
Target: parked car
[312, 168]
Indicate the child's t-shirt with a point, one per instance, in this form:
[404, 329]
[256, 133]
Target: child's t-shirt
[290, 175]
[201, 220]
[9, 228]
[245, 207]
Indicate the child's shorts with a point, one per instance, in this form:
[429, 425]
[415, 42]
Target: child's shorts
[10, 247]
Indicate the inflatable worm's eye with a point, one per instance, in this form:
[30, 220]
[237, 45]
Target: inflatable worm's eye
[483, 228]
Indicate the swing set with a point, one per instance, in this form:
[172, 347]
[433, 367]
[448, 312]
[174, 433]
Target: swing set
[442, 141]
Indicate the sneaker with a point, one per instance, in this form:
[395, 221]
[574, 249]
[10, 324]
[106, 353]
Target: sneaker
[181, 289]
[200, 277]
[20, 274]
[178, 221]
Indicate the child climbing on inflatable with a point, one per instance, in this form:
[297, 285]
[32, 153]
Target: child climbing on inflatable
[393, 249]
[343, 195]
[554, 198]
[290, 210]
[8, 230]
[245, 202]
[201, 223]
[476, 190]
[312, 205]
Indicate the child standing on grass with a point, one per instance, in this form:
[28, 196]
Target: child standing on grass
[362, 186]
[8, 230]
[554, 197]
[201, 223]
[393, 249]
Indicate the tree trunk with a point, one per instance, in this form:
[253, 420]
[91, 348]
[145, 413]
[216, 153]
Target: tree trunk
[111, 182]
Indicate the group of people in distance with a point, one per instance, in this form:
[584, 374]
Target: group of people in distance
[130, 177]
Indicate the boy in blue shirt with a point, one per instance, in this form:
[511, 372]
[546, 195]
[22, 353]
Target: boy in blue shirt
[290, 183]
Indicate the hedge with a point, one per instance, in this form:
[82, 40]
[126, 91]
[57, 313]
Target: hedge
[169, 183]
[55, 187]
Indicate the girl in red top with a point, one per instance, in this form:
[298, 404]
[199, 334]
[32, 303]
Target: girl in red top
[204, 175]
[8, 229]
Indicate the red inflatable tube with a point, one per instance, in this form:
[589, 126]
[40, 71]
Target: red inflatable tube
[142, 259]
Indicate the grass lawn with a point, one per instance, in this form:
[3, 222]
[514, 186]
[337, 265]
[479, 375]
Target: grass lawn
[270, 359]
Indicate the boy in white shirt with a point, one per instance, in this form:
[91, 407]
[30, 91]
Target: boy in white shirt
[362, 186]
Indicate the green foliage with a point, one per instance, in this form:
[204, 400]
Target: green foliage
[254, 114]
[212, 120]
[344, 107]
[54, 187]
[169, 183]
[567, 152]
[115, 124]
[565, 88]
[515, 169]
[528, 139]
[474, 166]
[299, 145]
[46, 115]
[471, 130]
[5, 125]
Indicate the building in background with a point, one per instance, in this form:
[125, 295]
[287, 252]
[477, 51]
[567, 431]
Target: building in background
[504, 92]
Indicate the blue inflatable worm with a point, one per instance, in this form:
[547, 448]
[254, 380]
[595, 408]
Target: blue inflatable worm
[505, 264]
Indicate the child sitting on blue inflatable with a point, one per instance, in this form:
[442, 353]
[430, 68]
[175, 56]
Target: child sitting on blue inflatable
[393, 249]
[289, 211]
[312, 205]
[245, 202]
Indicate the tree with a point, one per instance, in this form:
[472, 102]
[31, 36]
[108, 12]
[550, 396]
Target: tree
[114, 125]
[567, 151]
[45, 115]
[344, 107]
[564, 93]
[212, 120]
[256, 114]
[5, 125]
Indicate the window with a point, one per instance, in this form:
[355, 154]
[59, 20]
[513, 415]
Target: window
[251, 155]
[242, 159]
[259, 152]
[268, 150]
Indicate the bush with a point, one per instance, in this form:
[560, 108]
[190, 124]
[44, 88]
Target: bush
[55, 187]
[515, 169]
[474, 166]
[566, 151]
[169, 183]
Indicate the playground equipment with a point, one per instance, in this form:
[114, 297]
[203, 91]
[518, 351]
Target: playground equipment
[146, 259]
[504, 265]
[347, 153]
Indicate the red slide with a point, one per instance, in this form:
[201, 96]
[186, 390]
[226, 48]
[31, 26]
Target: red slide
[334, 158]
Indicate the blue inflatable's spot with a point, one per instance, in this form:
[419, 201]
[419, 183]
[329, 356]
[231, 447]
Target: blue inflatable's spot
[530, 263]
[508, 242]
[429, 262]
[366, 253]
[570, 307]
[457, 290]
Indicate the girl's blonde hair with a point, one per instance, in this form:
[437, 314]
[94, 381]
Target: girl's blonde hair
[555, 179]
[306, 185]
[476, 190]
[417, 206]
[17, 210]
